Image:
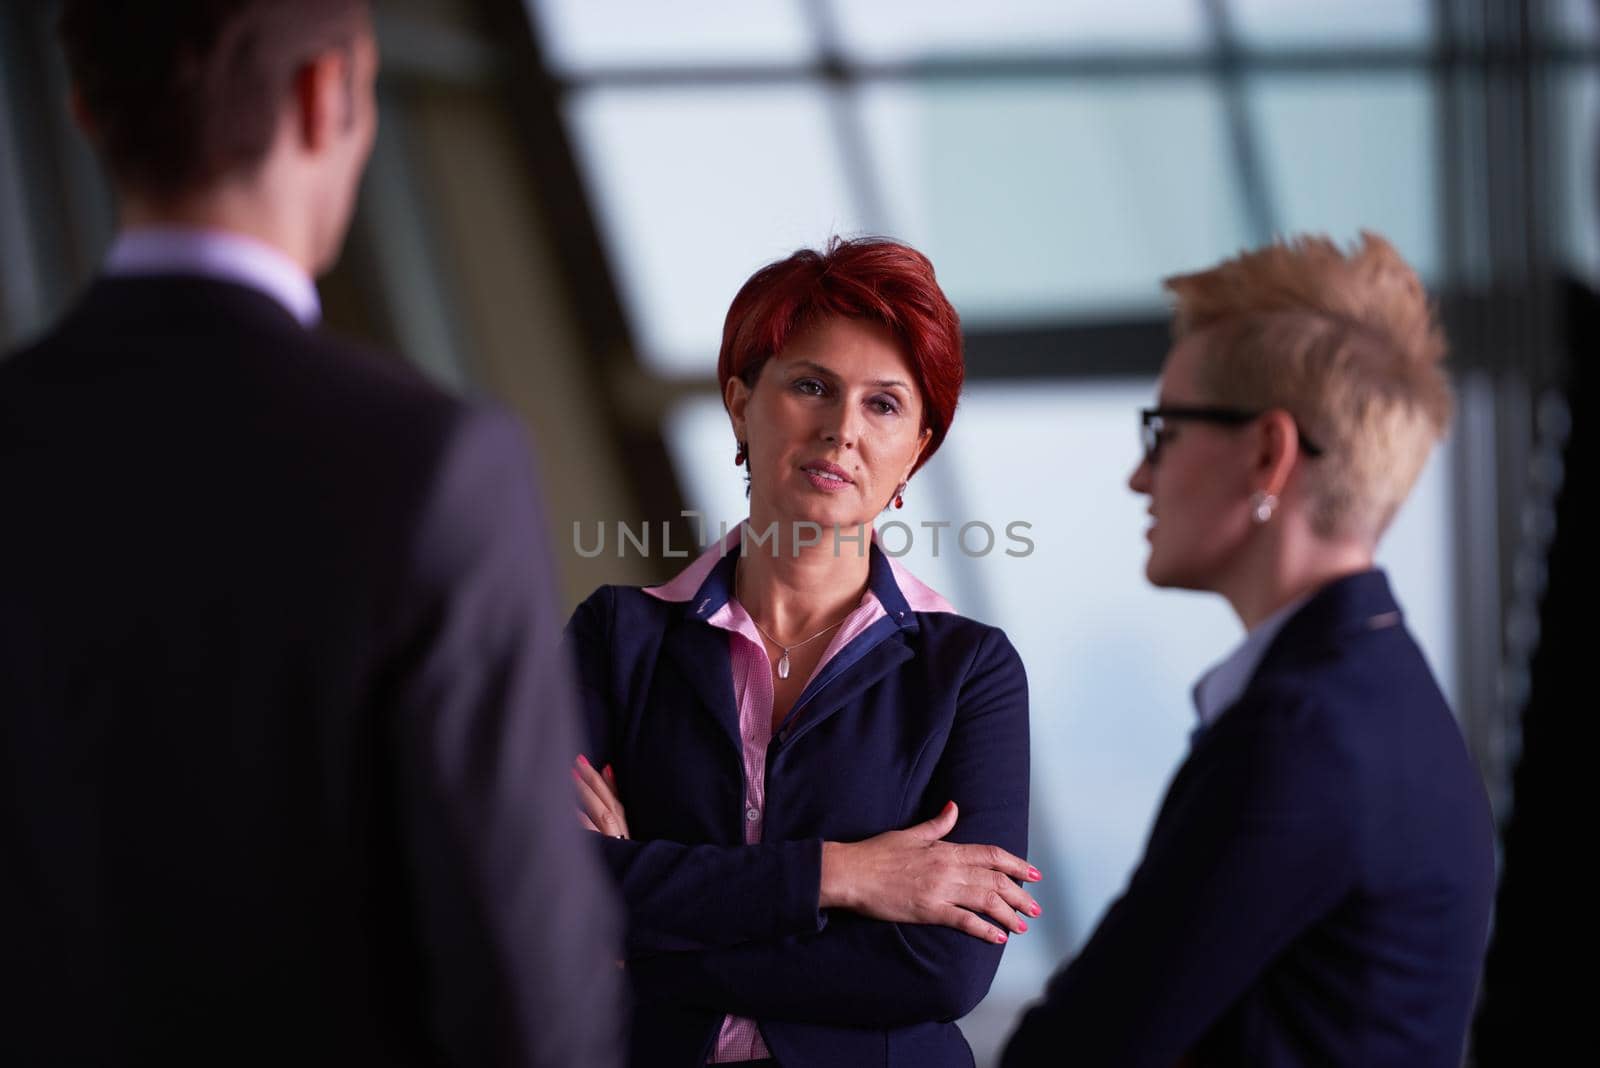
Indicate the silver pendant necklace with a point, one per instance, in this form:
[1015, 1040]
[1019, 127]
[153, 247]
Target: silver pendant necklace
[783, 661]
[782, 668]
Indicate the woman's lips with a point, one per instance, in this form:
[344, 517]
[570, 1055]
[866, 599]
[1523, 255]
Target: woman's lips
[830, 478]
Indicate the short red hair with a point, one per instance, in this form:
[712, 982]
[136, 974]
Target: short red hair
[870, 278]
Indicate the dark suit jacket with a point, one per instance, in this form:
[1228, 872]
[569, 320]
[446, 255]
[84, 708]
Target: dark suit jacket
[923, 708]
[283, 720]
[1316, 890]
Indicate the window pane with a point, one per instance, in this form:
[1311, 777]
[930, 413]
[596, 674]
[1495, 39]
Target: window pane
[1044, 200]
[696, 188]
[886, 30]
[1578, 104]
[586, 34]
[1318, 23]
[1349, 153]
[1574, 21]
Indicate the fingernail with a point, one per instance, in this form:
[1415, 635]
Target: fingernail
[1000, 936]
[583, 760]
[1036, 909]
[575, 776]
[1023, 924]
[1033, 873]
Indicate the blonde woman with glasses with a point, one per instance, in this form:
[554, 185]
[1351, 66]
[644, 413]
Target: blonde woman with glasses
[1317, 887]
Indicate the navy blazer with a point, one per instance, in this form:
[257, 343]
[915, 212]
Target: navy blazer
[1317, 886]
[283, 719]
[924, 707]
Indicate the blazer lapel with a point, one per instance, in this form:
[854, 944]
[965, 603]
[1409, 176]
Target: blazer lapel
[1353, 604]
[839, 686]
[698, 653]
[875, 653]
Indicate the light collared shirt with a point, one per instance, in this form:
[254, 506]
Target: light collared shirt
[739, 1038]
[218, 254]
[1225, 683]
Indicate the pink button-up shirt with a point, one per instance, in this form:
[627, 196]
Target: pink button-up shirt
[740, 1039]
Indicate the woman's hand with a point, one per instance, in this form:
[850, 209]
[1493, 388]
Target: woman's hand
[600, 809]
[911, 876]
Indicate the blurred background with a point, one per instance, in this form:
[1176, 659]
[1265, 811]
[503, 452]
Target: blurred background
[565, 195]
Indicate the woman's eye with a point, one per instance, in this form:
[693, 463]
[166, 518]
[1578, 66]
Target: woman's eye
[810, 386]
[884, 406]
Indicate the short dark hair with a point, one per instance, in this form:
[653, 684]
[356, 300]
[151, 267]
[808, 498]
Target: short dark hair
[183, 93]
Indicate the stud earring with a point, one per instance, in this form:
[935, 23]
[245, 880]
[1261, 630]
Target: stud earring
[1262, 505]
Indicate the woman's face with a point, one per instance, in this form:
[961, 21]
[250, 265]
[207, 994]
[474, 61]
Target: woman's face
[1199, 487]
[833, 425]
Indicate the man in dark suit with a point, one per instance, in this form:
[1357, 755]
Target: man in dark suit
[283, 723]
[1317, 886]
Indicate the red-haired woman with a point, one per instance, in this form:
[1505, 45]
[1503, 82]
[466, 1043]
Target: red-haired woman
[814, 780]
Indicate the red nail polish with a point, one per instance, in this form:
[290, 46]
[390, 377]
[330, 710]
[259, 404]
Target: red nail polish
[583, 760]
[1033, 873]
[1024, 925]
[1036, 909]
[1000, 936]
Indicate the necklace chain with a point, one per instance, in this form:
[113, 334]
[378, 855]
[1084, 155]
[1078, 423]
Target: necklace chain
[781, 669]
[796, 645]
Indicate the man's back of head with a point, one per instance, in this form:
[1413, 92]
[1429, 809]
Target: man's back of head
[253, 116]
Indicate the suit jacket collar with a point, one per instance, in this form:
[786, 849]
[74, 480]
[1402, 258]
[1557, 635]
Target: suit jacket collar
[167, 301]
[1343, 608]
[222, 255]
[700, 653]
[1346, 606]
[706, 585]
[700, 649]
[1225, 681]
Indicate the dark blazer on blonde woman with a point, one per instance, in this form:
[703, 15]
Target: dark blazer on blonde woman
[1316, 890]
[922, 708]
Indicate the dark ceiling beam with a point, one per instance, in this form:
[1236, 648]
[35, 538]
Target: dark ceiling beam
[1141, 64]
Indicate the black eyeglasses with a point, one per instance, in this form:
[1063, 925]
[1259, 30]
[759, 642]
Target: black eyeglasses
[1153, 426]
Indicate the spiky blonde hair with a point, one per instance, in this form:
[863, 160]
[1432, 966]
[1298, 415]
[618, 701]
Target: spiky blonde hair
[1348, 344]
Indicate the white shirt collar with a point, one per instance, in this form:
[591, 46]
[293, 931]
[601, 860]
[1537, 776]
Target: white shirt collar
[217, 254]
[1225, 683]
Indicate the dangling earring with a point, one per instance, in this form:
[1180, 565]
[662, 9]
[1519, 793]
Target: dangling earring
[899, 496]
[738, 456]
[1262, 505]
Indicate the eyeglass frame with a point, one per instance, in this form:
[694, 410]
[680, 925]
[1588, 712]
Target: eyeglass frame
[1151, 418]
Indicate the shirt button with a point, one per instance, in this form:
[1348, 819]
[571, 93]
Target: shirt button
[752, 814]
